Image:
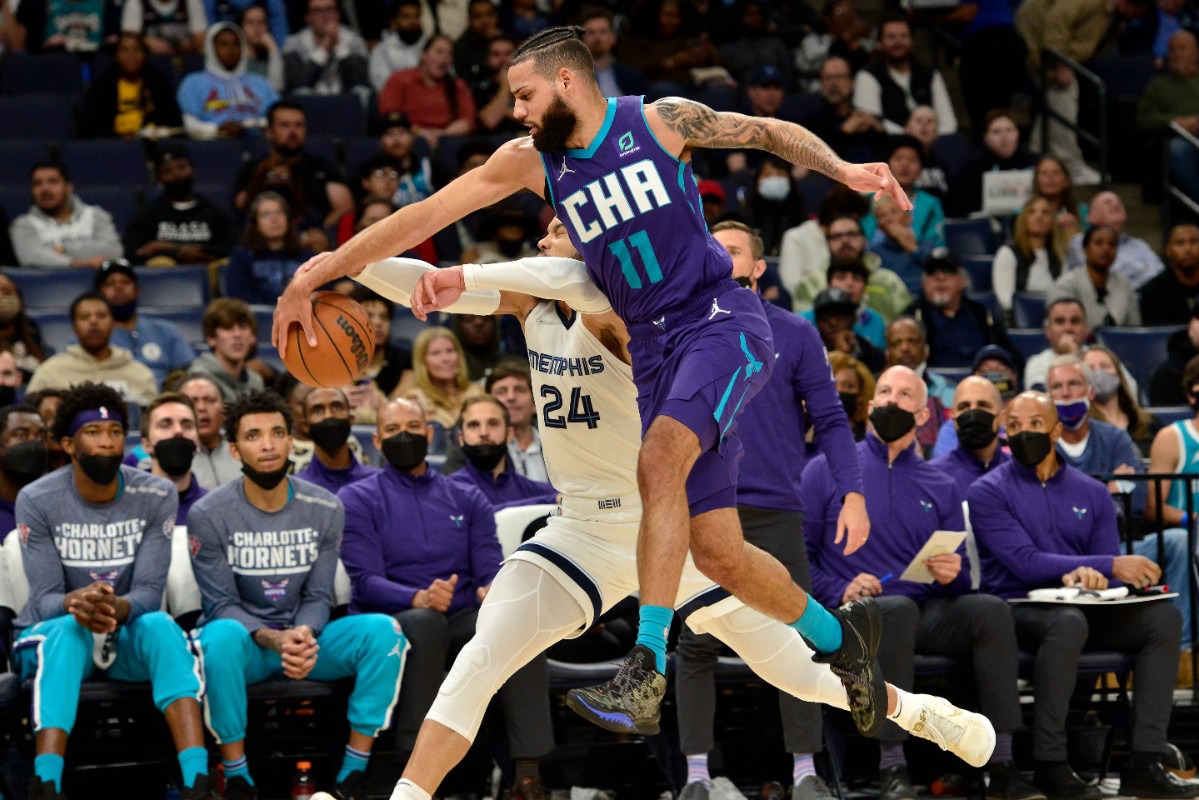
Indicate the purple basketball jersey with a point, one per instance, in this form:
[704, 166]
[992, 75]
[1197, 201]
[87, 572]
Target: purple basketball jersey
[634, 213]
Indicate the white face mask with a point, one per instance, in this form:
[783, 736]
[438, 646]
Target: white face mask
[774, 187]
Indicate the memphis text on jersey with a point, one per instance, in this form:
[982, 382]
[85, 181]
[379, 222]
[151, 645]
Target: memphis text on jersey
[549, 364]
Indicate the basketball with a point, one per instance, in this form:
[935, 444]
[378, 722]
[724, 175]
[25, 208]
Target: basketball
[345, 343]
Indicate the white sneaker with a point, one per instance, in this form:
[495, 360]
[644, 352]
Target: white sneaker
[967, 735]
[1085, 175]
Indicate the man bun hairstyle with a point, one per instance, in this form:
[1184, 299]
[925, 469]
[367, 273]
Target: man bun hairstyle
[555, 48]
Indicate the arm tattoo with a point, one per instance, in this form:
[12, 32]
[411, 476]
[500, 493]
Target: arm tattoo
[700, 126]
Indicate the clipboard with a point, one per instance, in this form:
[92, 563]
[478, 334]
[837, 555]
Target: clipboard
[940, 542]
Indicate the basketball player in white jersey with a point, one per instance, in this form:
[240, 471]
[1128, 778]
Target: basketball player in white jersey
[558, 583]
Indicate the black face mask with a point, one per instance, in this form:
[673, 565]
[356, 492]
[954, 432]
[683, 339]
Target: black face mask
[124, 312]
[509, 247]
[975, 429]
[405, 451]
[24, 463]
[892, 422]
[485, 456]
[8, 395]
[1030, 447]
[849, 402]
[330, 434]
[175, 455]
[742, 281]
[180, 190]
[101, 470]
[409, 37]
[266, 480]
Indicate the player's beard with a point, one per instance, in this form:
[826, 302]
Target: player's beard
[558, 124]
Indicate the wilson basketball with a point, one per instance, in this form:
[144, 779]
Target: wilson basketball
[345, 343]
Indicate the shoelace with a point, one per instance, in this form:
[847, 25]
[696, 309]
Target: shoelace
[931, 723]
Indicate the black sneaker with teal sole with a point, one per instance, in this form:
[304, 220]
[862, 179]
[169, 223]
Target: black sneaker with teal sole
[855, 663]
[630, 702]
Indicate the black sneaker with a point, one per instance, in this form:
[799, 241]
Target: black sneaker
[630, 702]
[238, 788]
[1157, 782]
[200, 791]
[44, 791]
[894, 784]
[1007, 783]
[856, 666]
[1059, 782]
[354, 787]
[528, 789]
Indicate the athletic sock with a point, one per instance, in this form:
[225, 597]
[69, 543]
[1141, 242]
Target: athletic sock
[890, 754]
[527, 768]
[653, 627]
[1003, 748]
[819, 627]
[238, 768]
[193, 761]
[354, 761]
[907, 709]
[48, 767]
[802, 768]
[407, 790]
[697, 770]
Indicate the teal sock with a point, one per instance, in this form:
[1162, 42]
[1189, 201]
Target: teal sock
[237, 769]
[193, 761]
[652, 629]
[354, 761]
[819, 627]
[48, 767]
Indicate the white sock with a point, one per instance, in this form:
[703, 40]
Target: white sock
[407, 790]
[907, 709]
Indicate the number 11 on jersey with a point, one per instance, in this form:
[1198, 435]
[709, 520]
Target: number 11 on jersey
[645, 251]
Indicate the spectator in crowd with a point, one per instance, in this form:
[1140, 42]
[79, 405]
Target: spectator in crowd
[1001, 151]
[835, 312]
[892, 83]
[270, 252]
[1052, 542]
[433, 576]
[993, 69]
[1031, 261]
[908, 500]
[906, 160]
[99, 610]
[1067, 331]
[153, 341]
[1170, 298]
[504, 235]
[170, 27]
[1052, 181]
[958, 326]
[484, 429]
[1165, 387]
[262, 49]
[325, 57]
[1173, 451]
[479, 335]
[59, 229]
[774, 204]
[851, 276]
[664, 48]
[895, 241]
[922, 126]
[842, 34]
[1173, 99]
[129, 96]
[852, 133]
[493, 99]
[401, 45]
[262, 616]
[390, 363]
[22, 457]
[436, 102]
[855, 387]
[439, 379]
[323, 198]
[754, 45]
[230, 10]
[975, 412]
[397, 141]
[333, 465]
[997, 366]
[43, 26]
[523, 18]
[179, 226]
[11, 378]
[229, 330]
[470, 48]
[214, 463]
[1114, 400]
[225, 99]
[170, 438]
[47, 402]
[806, 249]
[19, 333]
[95, 358]
[1134, 258]
[907, 346]
[1108, 297]
[511, 384]
[615, 77]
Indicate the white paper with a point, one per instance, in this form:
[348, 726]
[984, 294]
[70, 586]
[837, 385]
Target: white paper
[940, 542]
[1074, 596]
[1006, 191]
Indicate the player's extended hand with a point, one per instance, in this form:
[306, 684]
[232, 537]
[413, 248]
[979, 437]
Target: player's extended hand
[875, 178]
[294, 307]
[853, 524]
[436, 290]
[944, 567]
[298, 649]
[1085, 578]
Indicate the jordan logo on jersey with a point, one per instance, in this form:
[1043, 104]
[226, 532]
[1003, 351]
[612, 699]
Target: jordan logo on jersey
[565, 169]
[716, 309]
[617, 197]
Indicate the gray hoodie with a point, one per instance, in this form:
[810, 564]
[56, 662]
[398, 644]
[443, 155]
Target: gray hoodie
[40, 240]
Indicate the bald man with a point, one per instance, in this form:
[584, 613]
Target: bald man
[1135, 259]
[907, 499]
[1040, 523]
[975, 413]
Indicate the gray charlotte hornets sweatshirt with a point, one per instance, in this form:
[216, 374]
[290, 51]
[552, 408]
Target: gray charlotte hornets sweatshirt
[68, 543]
[263, 569]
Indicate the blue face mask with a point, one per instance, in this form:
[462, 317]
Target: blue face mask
[1073, 414]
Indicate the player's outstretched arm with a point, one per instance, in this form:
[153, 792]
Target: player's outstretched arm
[543, 277]
[396, 279]
[681, 124]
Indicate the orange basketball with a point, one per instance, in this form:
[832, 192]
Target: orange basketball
[345, 343]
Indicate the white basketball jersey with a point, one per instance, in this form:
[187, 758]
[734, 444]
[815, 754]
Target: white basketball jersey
[587, 410]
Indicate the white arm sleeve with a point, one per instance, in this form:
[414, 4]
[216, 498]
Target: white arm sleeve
[395, 279]
[543, 277]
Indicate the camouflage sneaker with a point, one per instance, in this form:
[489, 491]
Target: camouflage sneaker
[856, 666]
[629, 703]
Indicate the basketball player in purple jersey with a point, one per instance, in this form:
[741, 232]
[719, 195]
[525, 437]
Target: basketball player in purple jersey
[619, 172]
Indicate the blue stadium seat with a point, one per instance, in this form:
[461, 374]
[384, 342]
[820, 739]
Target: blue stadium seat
[216, 161]
[186, 321]
[50, 290]
[339, 115]
[1171, 414]
[979, 269]
[40, 117]
[15, 199]
[53, 73]
[119, 201]
[267, 353]
[405, 327]
[266, 320]
[989, 300]
[172, 288]
[1142, 350]
[106, 162]
[1028, 310]
[953, 151]
[56, 328]
[359, 149]
[969, 237]
[1028, 341]
[19, 158]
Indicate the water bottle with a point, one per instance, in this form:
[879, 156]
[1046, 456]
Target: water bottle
[302, 784]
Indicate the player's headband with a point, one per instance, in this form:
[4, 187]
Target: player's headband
[89, 415]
